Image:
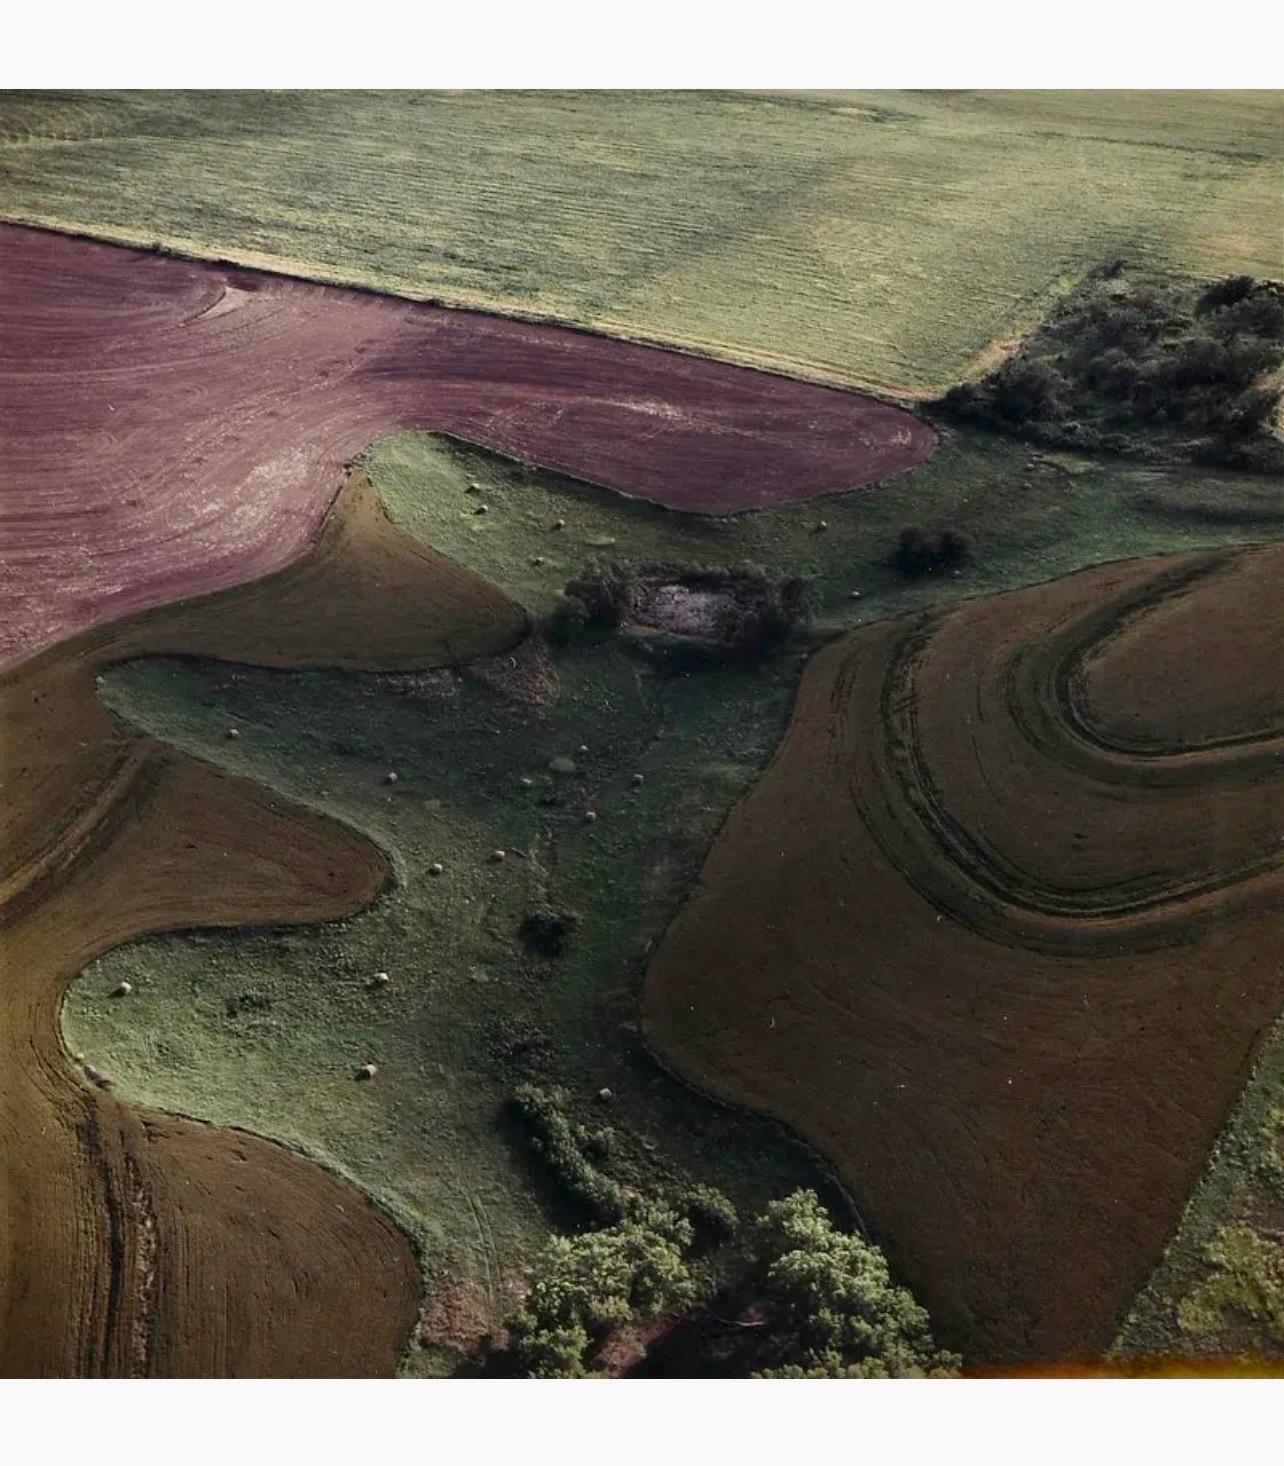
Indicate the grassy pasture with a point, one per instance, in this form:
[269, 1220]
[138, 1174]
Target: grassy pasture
[880, 239]
[263, 1030]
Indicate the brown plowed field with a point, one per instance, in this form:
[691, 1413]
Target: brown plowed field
[143, 1244]
[173, 428]
[1005, 969]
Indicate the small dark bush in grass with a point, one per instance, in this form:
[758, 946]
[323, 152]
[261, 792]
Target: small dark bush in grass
[920, 553]
[567, 622]
[547, 933]
[604, 593]
[592, 605]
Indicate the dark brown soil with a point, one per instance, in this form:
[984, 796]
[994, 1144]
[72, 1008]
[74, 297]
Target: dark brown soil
[138, 1244]
[1005, 973]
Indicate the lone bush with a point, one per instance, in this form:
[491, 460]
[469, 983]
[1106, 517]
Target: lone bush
[921, 553]
[547, 933]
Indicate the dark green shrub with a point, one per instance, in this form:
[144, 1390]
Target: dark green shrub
[561, 1145]
[604, 593]
[1226, 292]
[1025, 390]
[547, 933]
[712, 1214]
[920, 553]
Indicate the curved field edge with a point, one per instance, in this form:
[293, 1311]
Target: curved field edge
[718, 1040]
[253, 391]
[448, 939]
[124, 1287]
[888, 238]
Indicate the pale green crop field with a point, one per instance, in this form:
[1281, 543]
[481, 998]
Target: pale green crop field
[878, 239]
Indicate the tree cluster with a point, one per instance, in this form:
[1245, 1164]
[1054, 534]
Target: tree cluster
[829, 1296]
[1135, 367]
[587, 1285]
[828, 1305]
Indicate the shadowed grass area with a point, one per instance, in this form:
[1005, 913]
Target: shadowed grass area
[265, 1029]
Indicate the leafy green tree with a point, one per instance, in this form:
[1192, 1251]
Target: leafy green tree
[832, 1294]
[587, 1285]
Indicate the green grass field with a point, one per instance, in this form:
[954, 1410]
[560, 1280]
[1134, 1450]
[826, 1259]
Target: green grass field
[887, 240]
[264, 1030]
[881, 239]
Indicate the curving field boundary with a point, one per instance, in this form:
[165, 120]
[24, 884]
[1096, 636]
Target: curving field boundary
[1005, 970]
[176, 437]
[137, 1243]
[174, 428]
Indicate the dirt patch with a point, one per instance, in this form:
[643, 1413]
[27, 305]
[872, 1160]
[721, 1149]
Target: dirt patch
[211, 461]
[705, 607]
[1006, 975]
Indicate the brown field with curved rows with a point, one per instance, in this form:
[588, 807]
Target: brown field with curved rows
[122, 1227]
[175, 435]
[174, 428]
[999, 931]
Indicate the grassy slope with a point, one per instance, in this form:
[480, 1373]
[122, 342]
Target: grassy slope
[881, 239]
[426, 1137]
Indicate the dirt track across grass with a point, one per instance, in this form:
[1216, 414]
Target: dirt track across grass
[175, 428]
[140, 1244]
[1006, 973]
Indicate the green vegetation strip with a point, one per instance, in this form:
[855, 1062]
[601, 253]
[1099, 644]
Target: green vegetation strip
[266, 1029]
